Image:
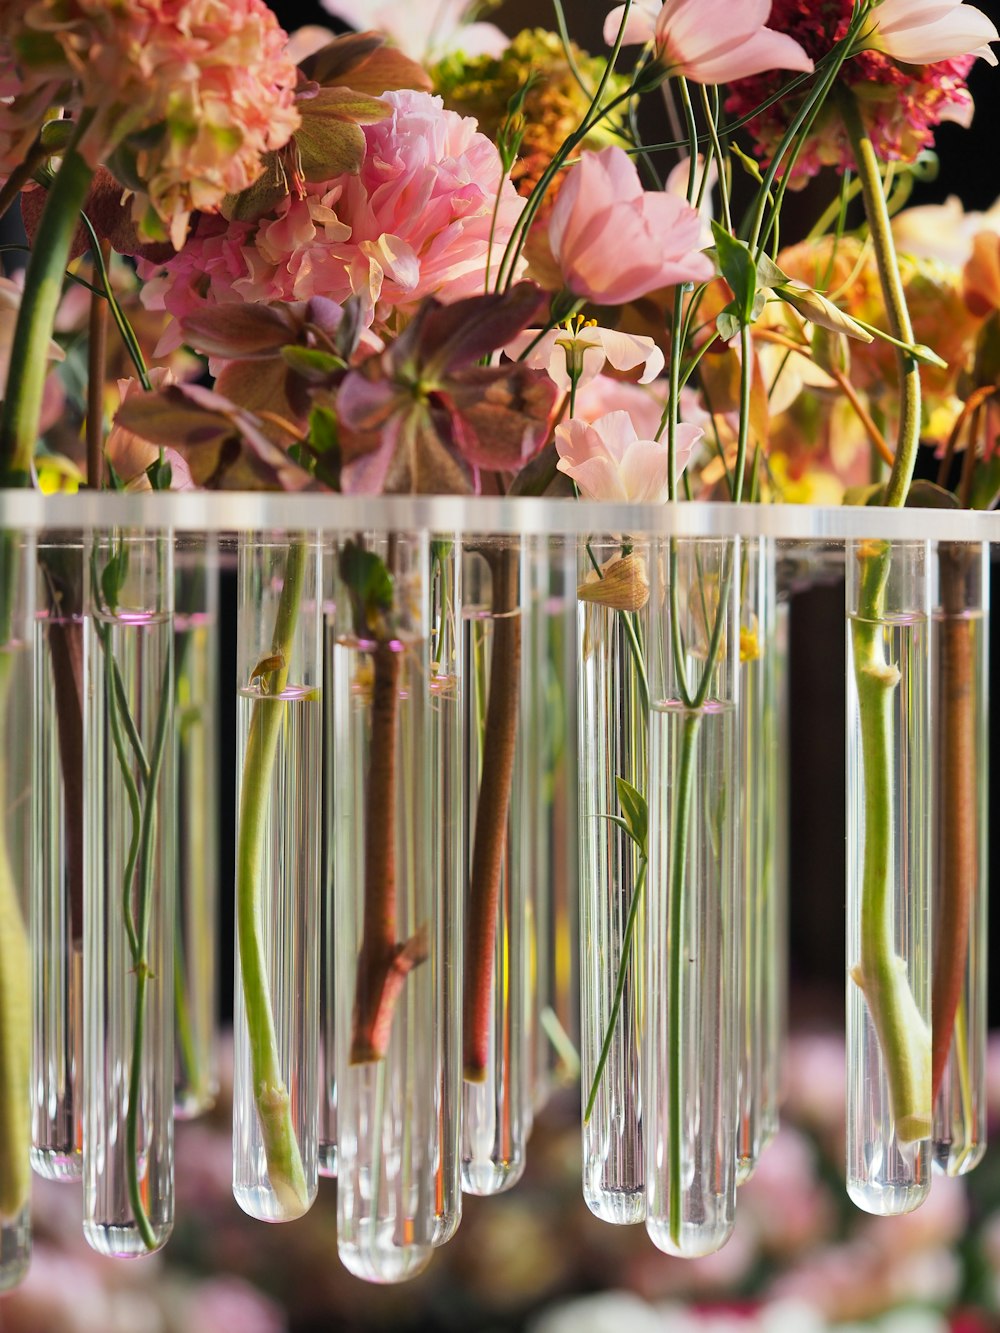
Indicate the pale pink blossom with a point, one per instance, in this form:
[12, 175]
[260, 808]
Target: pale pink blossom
[644, 403]
[588, 349]
[922, 32]
[417, 220]
[425, 30]
[709, 41]
[608, 461]
[614, 241]
[677, 183]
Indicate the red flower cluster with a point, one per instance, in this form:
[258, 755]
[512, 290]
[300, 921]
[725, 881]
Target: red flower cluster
[900, 104]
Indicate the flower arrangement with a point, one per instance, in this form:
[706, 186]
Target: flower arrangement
[395, 298]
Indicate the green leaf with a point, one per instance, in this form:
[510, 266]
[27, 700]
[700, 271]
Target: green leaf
[986, 484]
[323, 438]
[311, 363]
[727, 323]
[736, 264]
[925, 495]
[865, 495]
[113, 577]
[635, 811]
[769, 274]
[370, 587]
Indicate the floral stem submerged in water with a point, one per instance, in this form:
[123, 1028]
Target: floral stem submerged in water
[270, 1092]
[499, 745]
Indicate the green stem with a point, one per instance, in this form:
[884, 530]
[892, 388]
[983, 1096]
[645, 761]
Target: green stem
[271, 1097]
[678, 874]
[616, 1005]
[900, 326]
[904, 1037]
[15, 995]
[43, 284]
[142, 969]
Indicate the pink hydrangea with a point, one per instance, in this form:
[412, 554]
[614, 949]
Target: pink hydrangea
[189, 93]
[415, 221]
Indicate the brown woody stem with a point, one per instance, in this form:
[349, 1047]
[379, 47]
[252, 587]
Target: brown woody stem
[383, 963]
[489, 844]
[957, 848]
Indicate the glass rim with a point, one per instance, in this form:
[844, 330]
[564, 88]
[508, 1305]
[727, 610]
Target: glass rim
[268, 512]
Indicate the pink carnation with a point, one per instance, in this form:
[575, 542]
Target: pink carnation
[414, 222]
[900, 103]
[190, 93]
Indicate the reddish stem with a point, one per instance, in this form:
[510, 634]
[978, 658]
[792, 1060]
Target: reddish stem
[382, 963]
[66, 653]
[490, 841]
[957, 856]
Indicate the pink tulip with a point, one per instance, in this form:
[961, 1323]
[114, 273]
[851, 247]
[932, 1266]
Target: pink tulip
[614, 241]
[608, 461]
[922, 32]
[710, 41]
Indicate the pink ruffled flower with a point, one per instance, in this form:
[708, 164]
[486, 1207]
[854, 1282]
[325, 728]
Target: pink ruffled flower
[608, 461]
[189, 93]
[614, 241]
[415, 221]
[425, 30]
[709, 41]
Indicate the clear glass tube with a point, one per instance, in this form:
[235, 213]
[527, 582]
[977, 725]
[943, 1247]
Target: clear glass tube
[776, 876]
[327, 1143]
[757, 743]
[398, 825]
[130, 836]
[497, 1088]
[960, 774]
[693, 981]
[57, 881]
[889, 1111]
[550, 729]
[613, 730]
[279, 774]
[196, 934]
[17, 582]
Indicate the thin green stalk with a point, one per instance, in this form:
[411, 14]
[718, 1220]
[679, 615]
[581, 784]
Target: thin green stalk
[900, 325]
[43, 284]
[616, 1004]
[271, 1097]
[15, 994]
[678, 875]
[141, 961]
[746, 388]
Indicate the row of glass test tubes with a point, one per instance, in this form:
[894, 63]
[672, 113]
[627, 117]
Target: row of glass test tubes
[675, 681]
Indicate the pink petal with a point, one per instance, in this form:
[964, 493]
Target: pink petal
[616, 434]
[640, 27]
[645, 472]
[625, 351]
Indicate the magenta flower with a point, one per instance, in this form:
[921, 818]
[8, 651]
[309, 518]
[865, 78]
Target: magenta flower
[922, 32]
[608, 461]
[709, 41]
[614, 241]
